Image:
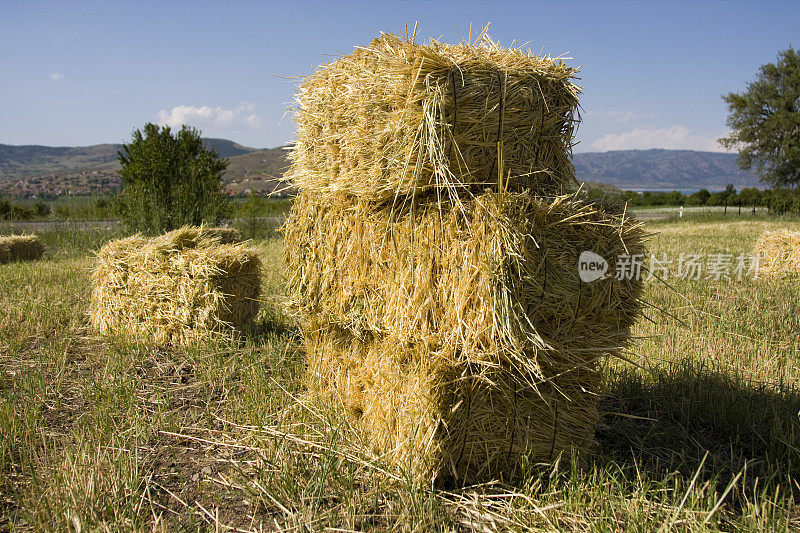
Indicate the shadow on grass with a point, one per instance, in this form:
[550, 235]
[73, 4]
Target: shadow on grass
[269, 327]
[667, 422]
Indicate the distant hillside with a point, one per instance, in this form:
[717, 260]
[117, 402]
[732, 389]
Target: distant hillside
[663, 169]
[22, 161]
[36, 170]
[254, 169]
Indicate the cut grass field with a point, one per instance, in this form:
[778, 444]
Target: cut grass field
[700, 431]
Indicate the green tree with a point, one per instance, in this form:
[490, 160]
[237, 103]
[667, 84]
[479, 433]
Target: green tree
[765, 121]
[698, 198]
[170, 180]
[675, 198]
[750, 196]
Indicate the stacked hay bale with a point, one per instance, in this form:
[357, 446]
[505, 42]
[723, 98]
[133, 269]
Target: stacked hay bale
[778, 254]
[20, 248]
[182, 286]
[434, 256]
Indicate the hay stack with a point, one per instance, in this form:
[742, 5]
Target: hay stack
[461, 338]
[778, 254]
[20, 248]
[398, 118]
[181, 286]
[491, 277]
[441, 417]
[434, 257]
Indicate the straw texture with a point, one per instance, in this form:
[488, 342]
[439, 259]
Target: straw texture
[461, 338]
[179, 287]
[20, 248]
[433, 257]
[778, 254]
[440, 417]
[398, 118]
[496, 278]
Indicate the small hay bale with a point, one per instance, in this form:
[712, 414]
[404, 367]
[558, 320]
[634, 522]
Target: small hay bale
[179, 287]
[461, 335]
[397, 118]
[20, 248]
[778, 254]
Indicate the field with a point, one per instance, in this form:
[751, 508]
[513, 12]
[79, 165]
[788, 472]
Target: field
[700, 431]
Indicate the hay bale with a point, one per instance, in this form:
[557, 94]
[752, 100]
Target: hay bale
[20, 248]
[461, 336]
[497, 275]
[778, 254]
[397, 118]
[179, 287]
[441, 418]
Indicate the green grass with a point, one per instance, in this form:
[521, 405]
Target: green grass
[700, 429]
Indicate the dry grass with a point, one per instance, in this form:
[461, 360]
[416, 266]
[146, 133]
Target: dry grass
[779, 254]
[178, 287]
[20, 248]
[701, 435]
[397, 118]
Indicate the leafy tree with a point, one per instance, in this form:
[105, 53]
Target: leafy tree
[716, 198]
[749, 196]
[698, 198]
[765, 121]
[729, 191]
[5, 209]
[675, 198]
[170, 180]
[783, 201]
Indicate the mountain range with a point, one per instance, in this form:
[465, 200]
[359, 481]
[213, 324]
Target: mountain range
[255, 169]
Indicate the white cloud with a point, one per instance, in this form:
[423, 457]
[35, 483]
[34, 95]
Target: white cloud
[56, 76]
[219, 118]
[673, 137]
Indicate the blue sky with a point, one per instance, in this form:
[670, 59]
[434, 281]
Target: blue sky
[80, 73]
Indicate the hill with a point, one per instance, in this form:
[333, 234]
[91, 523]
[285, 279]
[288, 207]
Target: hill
[663, 169]
[33, 170]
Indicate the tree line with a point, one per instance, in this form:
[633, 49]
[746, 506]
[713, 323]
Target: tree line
[748, 196]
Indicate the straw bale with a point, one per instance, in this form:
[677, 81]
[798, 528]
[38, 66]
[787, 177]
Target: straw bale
[496, 278]
[778, 254]
[440, 418]
[399, 118]
[181, 286]
[460, 337]
[20, 248]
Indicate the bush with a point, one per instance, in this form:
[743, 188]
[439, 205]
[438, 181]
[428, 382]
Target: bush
[784, 201]
[170, 181]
